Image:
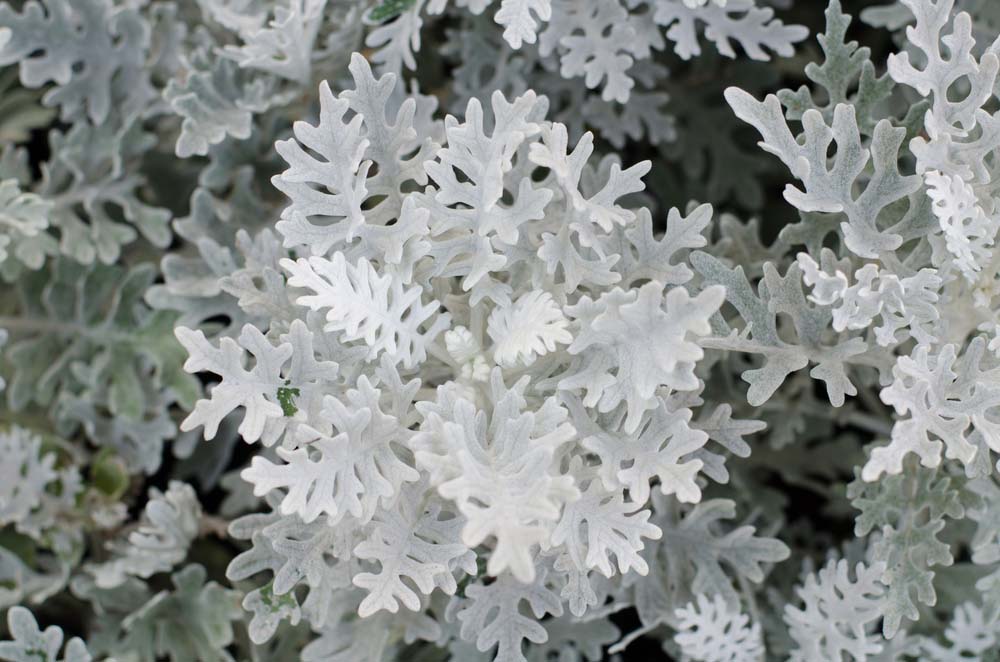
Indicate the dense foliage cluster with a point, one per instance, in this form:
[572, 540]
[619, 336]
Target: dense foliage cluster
[480, 330]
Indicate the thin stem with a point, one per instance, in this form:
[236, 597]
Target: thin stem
[871, 423]
[101, 334]
[36, 325]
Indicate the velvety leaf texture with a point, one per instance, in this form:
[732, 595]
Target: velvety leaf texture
[499, 330]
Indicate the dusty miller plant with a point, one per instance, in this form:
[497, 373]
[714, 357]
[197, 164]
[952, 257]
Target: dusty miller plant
[427, 330]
